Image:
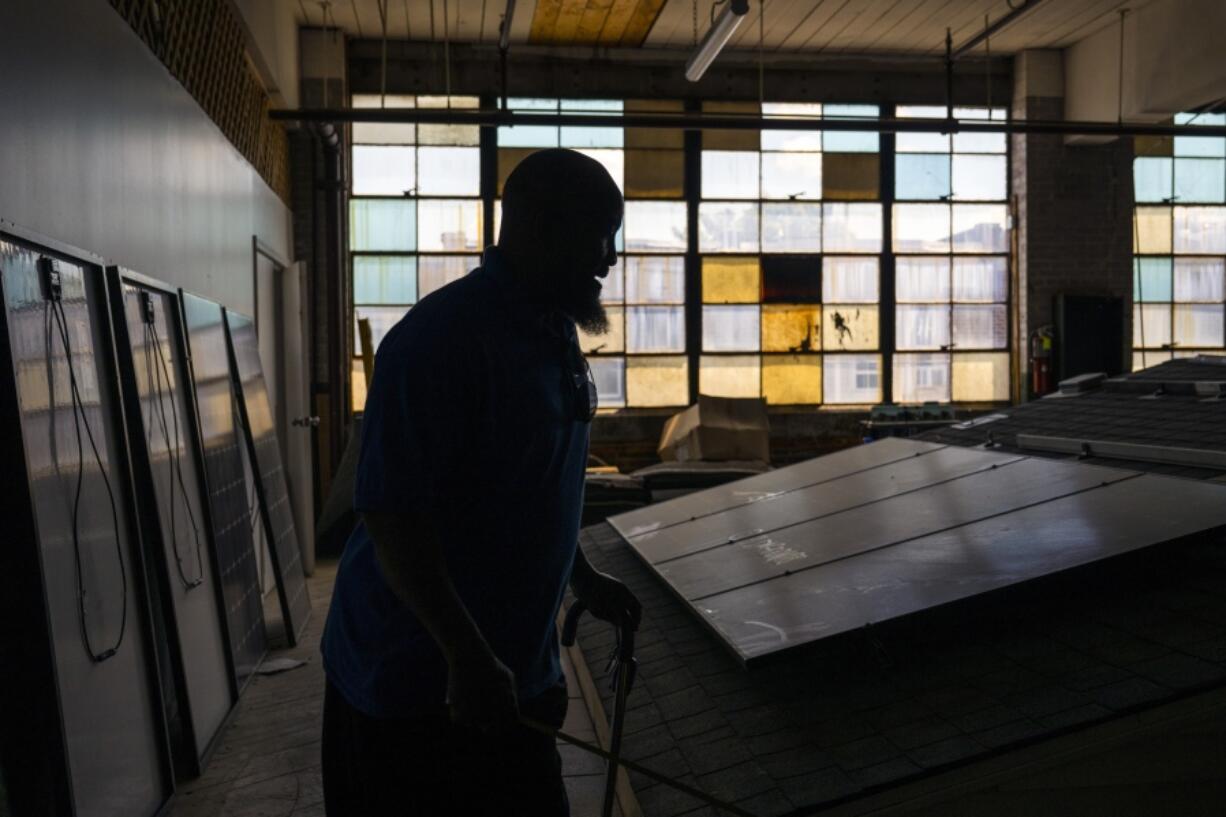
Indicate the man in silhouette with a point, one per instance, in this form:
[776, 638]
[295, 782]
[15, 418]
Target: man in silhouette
[441, 632]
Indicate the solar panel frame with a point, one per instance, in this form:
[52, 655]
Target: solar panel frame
[84, 730]
[216, 406]
[197, 632]
[276, 513]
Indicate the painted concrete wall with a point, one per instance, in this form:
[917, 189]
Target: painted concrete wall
[102, 149]
[272, 40]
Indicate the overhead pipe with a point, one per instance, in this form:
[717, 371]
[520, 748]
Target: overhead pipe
[1000, 25]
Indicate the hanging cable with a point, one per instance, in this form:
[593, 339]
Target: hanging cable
[987, 61]
[1120, 79]
[156, 376]
[446, 52]
[382, 4]
[761, 56]
[54, 315]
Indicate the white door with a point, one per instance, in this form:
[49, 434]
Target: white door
[296, 409]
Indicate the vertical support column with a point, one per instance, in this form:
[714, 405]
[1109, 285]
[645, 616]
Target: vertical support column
[885, 292]
[693, 261]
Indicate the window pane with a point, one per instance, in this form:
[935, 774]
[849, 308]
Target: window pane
[921, 228]
[383, 170]
[1143, 360]
[727, 227]
[980, 327]
[1152, 179]
[850, 379]
[449, 224]
[655, 137]
[1198, 325]
[850, 141]
[851, 280]
[981, 377]
[612, 161]
[792, 379]
[980, 228]
[610, 376]
[921, 176]
[1153, 146]
[612, 341]
[655, 279]
[655, 329]
[791, 278]
[729, 174]
[922, 327]
[655, 226]
[382, 224]
[979, 178]
[655, 174]
[357, 385]
[981, 280]
[534, 136]
[1200, 230]
[448, 134]
[600, 137]
[790, 328]
[379, 133]
[1200, 180]
[449, 171]
[436, 271]
[921, 378]
[791, 139]
[730, 281]
[851, 176]
[851, 227]
[852, 327]
[1155, 331]
[731, 139]
[1152, 230]
[730, 329]
[657, 381]
[1151, 279]
[1200, 279]
[613, 287]
[979, 142]
[382, 319]
[791, 176]
[730, 375]
[918, 279]
[1200, 145]
[791, 227]
[384, 279]
[921, 142]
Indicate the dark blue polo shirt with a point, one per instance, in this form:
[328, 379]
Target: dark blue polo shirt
[470, 417]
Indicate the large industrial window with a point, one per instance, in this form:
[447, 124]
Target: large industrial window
[951, 263]
[1179, 244]
[415, 216]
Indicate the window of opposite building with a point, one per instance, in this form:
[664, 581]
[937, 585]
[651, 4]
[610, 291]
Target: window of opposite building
[1179, 244]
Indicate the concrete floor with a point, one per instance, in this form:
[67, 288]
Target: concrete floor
[267, 763]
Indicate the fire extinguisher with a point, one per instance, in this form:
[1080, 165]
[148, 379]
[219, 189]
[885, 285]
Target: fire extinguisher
[1040, 360]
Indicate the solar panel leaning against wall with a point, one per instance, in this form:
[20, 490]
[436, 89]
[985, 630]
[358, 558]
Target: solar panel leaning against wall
[82, 733]
[167, 463]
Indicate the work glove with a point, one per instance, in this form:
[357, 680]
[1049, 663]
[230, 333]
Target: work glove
[607, 599]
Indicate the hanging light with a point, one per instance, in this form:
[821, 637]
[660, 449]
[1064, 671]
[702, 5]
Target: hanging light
[717, 37]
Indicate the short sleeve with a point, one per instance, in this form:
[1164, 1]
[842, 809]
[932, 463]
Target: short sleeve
[420, 410]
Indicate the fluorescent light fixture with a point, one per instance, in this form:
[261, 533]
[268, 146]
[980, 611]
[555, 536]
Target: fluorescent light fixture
[716, 38]
[504, 35]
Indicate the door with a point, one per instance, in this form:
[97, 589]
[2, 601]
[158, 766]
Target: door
[296, 409]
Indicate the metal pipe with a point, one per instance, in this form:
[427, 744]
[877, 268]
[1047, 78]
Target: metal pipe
[1000, 25]
[504, 30]
[699, 121]
[716, 38]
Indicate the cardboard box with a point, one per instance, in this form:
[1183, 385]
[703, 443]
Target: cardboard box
[716, 429]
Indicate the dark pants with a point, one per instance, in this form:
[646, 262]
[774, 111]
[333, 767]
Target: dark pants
[426, 767]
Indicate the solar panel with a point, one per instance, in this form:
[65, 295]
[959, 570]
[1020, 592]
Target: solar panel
[108, 733]
[909, 535]
[227, 489]
[166, 457]
[276, 512]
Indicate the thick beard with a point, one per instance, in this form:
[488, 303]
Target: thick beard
[589, 316]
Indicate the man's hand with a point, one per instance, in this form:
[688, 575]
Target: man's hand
[606, 598]
[481, 693]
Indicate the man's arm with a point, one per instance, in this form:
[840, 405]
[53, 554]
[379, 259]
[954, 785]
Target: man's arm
[480, 689]
[606, 597]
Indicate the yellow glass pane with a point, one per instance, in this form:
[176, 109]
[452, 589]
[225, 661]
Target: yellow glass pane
[448, 134]
[853, 176]
[1152, 230]
[357, 385]
[611, 341]
[730, 376]
[792, 379]
[657, 381]
[730, 280]
[788, 328]
[730, 139]
[655, 174]
[980, 377]
[654, 137]
[849, 327]
[508, 160]
[1153, 145]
